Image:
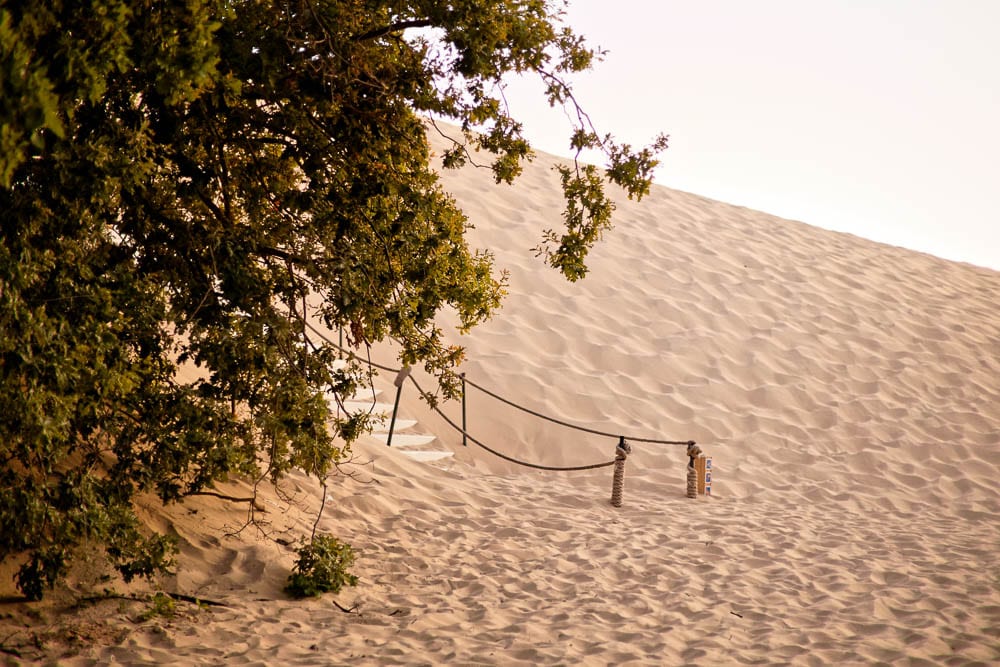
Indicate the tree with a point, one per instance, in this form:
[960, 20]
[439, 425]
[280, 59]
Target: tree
[188, 183]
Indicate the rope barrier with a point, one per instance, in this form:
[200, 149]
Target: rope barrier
[505, 457]
[621, 451]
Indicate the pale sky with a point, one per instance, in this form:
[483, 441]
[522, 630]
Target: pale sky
[880, 118]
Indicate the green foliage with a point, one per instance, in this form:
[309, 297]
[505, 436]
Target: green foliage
[322, 567]
[42, 570]
[161, 605]
[189, 183]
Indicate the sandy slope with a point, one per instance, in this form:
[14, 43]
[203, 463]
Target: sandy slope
[849, 393]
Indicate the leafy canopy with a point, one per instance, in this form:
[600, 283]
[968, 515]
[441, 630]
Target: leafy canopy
[190, 183]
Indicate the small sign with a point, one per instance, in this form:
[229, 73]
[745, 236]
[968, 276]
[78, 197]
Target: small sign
[703, 469]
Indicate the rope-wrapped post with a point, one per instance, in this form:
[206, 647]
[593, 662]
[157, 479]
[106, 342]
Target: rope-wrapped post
[693, 451]
[621, 453]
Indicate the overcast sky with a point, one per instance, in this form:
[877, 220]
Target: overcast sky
[880, 118]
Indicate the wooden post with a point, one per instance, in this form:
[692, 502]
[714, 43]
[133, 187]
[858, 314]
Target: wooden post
[693, 452]
[618, 481]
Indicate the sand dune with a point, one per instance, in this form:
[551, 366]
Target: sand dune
[848, 391]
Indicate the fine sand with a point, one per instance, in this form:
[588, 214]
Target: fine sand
[848, 392]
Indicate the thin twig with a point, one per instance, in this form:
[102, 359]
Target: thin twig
[346, 611]
[195, 600]
[319, 514]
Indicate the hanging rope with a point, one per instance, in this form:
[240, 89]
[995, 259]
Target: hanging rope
[350, 354]
[503, 456]
[573, 426]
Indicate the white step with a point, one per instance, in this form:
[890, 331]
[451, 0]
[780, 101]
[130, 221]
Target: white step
[380, 419]
[366, 400]
[362, 398]
[428, 456]
[366, 394]
[405, 439]
[382, 425]
[368, 406]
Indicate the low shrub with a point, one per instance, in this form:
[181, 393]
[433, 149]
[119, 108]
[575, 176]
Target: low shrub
[322, 567]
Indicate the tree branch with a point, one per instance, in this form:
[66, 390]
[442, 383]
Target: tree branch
[395, 27]
[236, 499]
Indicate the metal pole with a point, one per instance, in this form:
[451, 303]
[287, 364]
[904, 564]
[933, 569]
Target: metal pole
[465, 428]
[400, 378]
